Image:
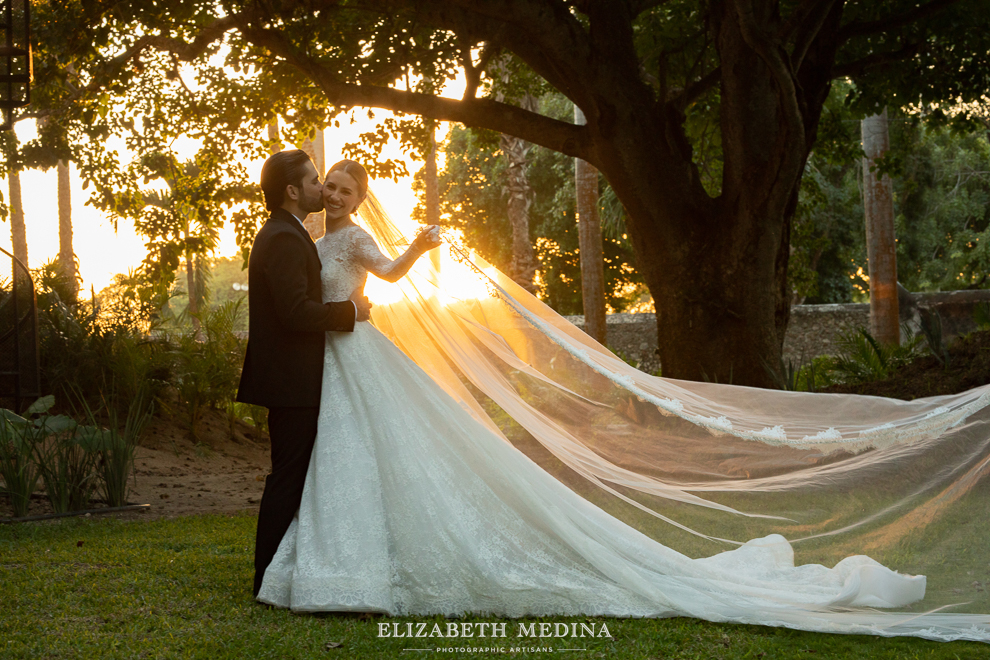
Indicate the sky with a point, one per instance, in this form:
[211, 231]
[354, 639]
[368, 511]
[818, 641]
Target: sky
[103, 252]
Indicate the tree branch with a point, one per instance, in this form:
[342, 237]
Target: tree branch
[682, 100]
[187, 52]
[560, 51]
[771, 54]
[108, 69]
[560, 136]
[856, 29]
[807, 29]
[472, 72]
[874, 60]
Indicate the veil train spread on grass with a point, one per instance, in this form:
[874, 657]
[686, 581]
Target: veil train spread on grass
[703, 468]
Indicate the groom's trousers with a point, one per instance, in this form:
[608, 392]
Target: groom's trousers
[292, 432]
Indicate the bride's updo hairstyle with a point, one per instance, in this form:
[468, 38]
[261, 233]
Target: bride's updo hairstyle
[356, 172]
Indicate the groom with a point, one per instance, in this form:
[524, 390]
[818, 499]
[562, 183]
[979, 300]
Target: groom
[287, 319]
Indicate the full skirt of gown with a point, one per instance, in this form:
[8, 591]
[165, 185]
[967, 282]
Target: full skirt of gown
[413, 507]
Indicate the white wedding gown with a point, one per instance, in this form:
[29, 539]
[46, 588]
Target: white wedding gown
[412, 506]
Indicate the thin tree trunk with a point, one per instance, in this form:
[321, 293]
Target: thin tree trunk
[315, 223]
[66, 255]
[199, 272]
[517, 190]
[519, 195]
[273, 135]
[590, 245]
[192, 307]
[18, 231]
[881, 246]
[431, 184]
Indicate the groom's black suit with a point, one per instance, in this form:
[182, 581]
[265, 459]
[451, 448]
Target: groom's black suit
[283, 367]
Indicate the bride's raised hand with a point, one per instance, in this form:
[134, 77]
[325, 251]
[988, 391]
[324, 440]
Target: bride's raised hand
[427, 239]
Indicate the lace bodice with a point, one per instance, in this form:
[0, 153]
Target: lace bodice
[348, 254]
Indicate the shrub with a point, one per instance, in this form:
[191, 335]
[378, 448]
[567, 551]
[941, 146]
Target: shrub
[66, 456]
[981, 314]
[17, 465]
[115, 445]
[931, 330]
[864, 359]
[82, 350]
[208, 363]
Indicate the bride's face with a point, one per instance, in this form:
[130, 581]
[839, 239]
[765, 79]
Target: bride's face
[341, 195]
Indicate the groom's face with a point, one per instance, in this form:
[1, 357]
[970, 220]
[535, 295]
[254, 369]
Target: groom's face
[310, 190]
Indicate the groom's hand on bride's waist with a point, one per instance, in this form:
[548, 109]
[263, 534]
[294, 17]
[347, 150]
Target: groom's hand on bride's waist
[362, 307]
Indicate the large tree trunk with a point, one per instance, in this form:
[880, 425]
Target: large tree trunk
[717, 266]
[66, 255]
[881, 246]
[590, 244]
[18, 231]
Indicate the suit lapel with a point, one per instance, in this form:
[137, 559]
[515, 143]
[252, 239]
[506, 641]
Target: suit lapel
[284, 216]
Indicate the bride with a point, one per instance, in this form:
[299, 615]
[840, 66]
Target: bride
[415, 503]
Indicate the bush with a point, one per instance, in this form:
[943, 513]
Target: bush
[931, 330]
[121, 342]
[72, 459]
[981, 314]
[207, 364]
[115, 445]
[864, 359]
[85, 350]
[17, 464]
[65, 455]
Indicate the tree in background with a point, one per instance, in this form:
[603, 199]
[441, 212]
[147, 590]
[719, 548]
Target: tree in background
[182, 221]
[517, 192]
[18, 230]
[941, 180]
[66, 255]
[881, 243]
[590, 248]
[942, 185]
[827, 235]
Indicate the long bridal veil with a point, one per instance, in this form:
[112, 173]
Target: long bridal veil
[702, 467]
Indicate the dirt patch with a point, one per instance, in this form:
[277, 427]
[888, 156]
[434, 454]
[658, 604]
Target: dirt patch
[969, 367]
[220, 472]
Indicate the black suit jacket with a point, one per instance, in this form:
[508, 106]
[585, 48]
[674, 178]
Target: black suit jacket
[287, 318]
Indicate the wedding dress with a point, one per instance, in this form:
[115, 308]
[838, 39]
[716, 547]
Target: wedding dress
[414, 505]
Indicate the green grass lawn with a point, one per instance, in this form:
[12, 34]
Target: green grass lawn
[103, 588]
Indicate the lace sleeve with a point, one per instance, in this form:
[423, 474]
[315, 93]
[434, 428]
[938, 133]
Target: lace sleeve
[369, 256]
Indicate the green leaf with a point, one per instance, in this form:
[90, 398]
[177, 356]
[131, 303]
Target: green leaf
[42, 405]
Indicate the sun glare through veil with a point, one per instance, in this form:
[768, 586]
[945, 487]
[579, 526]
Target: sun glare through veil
[456, 282]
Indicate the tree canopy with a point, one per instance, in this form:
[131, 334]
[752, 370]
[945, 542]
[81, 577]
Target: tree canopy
[700, 115]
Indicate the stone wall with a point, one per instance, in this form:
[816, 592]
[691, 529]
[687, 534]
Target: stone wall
[813, 330]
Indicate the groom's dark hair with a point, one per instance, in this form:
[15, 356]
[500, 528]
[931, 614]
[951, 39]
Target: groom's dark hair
[286, 168]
